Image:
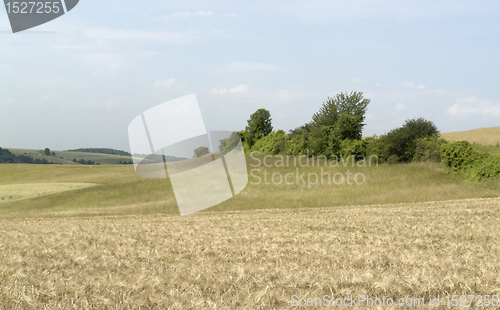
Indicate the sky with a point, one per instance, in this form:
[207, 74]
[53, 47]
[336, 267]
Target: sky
[79, 80]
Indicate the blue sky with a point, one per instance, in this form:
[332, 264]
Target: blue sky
[79, 80]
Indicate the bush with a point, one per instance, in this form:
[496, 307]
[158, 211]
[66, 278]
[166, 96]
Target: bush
[297, 144]
[460, 156]
[375, 146]
[489, 168]
[403, 141]
[24, 159]
[353, 148]
[274, 143]
[322, 141]
[429, 149]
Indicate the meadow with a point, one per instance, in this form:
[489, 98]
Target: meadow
[117, 190]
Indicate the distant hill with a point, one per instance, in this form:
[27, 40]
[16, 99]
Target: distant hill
[75, 158]
[483, 136]
[158, 158]
[101, 151]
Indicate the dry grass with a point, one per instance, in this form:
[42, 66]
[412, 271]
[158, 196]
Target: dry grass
[483, 136]
[251, 259]
[13, 192]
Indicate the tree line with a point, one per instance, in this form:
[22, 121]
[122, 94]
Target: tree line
[101, 151]
[336, 131]
[6, 157]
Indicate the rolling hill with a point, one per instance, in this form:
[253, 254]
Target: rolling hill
[66, 157]
[483, 136]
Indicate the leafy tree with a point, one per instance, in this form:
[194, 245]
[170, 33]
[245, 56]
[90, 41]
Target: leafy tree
[400, 144]
[299, 138]
[74, 160]
[200, 151]
[6, 156]
[259, 125]
[349, 127]
[352, 104]
[47, 151]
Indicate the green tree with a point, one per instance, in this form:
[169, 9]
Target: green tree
[352, 103]
[6, 156]
[47, 151]
[259, 125]
[349, 127]
[200, 151]
[400, 144]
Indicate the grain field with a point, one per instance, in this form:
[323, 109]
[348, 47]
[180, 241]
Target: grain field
[253, 259]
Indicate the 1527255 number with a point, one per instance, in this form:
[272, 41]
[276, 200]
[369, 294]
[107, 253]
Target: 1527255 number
[32, 7]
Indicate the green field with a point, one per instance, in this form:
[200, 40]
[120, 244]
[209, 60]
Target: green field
[118, 190]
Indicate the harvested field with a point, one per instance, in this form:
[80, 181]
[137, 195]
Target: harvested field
[251, 259]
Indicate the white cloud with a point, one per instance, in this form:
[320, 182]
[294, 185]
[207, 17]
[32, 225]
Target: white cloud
[165, 84]
[188, 14]
[421, 86]
[241, 66]
[400, 107]
[219, 91]
[240, 89]
[474, 106]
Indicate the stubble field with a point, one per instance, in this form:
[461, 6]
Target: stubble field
[252, 259]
